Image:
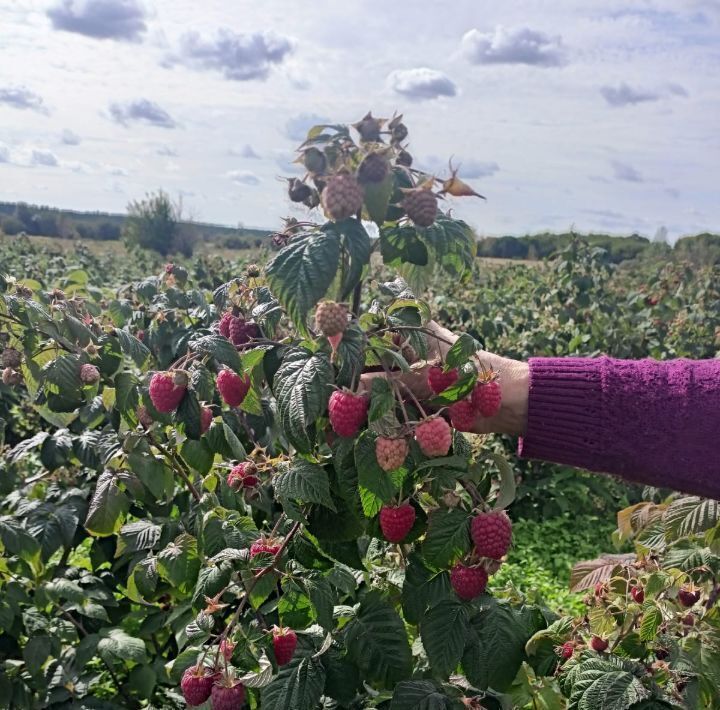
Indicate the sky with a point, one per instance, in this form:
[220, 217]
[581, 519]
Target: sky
[594, 115]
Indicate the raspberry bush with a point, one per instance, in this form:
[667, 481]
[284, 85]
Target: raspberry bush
[232, 497]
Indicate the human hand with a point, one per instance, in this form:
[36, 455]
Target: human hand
[513, 376]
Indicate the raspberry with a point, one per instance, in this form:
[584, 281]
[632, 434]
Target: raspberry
[330, 318]
[598, 644]
[263, 546]
[230, 695]
[421, 206]
[243, 476]
[462, 415]
[688, 596]
[468, 582]
[11, 358]
[439, 380]
[566, 650]
[164, 393]
[342, 197]
[373, 169]
[232, 387]
[491, 533]
[284, 644]
[169, 268]
[206, 417]
[224, 326]
[396, 523]
[688, 619]
[11, 377]
[347, 411]
[241, 331]
[196, 684]
[638, 594]
[390, 453]
[89, 374]
[486, 398]
[141, 335]
[434, 436]
[144, 416]
[227, 648]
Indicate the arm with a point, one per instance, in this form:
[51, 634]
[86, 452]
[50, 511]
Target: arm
[656, 423]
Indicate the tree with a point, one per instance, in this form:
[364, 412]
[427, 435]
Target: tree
[153, 223]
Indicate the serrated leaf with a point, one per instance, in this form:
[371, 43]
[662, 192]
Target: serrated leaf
[357, 245]
[179, 563]
[260, 678]
[132, 347]
[323, 601]
[382, 399]
[651, 620]
[692, 516]
[304, 481]
[462, 350]
[585, 575]
[443, 631]
[376, 485]
[108, 505]
[377, 642]
[220, 348]
[298, 685]
[419, 695]
[118, 645]
[302, 389]
[422, 587]
[447, 537]
[301, 273]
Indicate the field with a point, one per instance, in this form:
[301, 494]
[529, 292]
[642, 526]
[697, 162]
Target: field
[207, 499]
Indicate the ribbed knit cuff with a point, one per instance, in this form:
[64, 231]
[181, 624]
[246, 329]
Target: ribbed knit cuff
[565, 417]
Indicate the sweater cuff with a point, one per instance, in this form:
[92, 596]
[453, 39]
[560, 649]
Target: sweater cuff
[564, 411]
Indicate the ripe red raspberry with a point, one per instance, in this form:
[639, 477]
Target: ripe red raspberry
[164, 393]
[396, 522]
[331, 318]
[434, 436]
[347, 412]
[141, 335]
[688, 595]
[468, 582]
[598, 644]
[196, 684]
[638, 594]
[206, 417]
[262, 545]
[228, 695]
[566, 650]
[227, 647]
[11, 377]
[232, 387]
[486, 398]
[169, 268]
[390, 453]
[224, 326]
[243, 476]
[439, 380]
[242, 331]
[284, 644]
[491, 533]
[89, 374]
[688, 619]
[462, 415]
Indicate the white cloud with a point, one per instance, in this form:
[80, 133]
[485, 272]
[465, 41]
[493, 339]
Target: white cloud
[624, 95]
[44, 158]
[297, 127]
[421, 83]
[244, 177]
[69, 137]
[247, 151]
[517, 45]
[239, 57]
[100, 19]
[167, 151]
[4, 154]
[141, 111]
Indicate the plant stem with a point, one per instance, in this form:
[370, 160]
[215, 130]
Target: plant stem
[180, 466]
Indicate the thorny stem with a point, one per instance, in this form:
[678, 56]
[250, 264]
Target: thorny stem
[179, 466]
[414, 399]
[253, 582]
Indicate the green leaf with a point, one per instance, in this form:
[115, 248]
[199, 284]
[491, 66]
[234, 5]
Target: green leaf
[651, 620]
[188, 413]
[36, 651]
[153, 473]
[126, 392]
[198, 455]
[419, 695]
[210, 581]
[17, 540]
[323, 600]
[422, 587]
[302, 389]
[376, 485]
[604, 683]
[220, 348]
[495, 647]
[402, 245]
[443, 630]
[506, 490]
[301, 273]
[377, 642]
[298, 685]
[304, 481]
[143, 680]
[692, 516]
[462, 350]
[382, 399]
[179, 564]
[356, 243]
[448, 536]
[377, 198]
[108, 505]
[116, 644]
[132, 347]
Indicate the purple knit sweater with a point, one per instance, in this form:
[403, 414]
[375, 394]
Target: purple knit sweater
[656, 423]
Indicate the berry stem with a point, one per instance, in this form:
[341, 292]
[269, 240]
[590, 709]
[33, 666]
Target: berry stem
[414, 399]
[179, 466]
